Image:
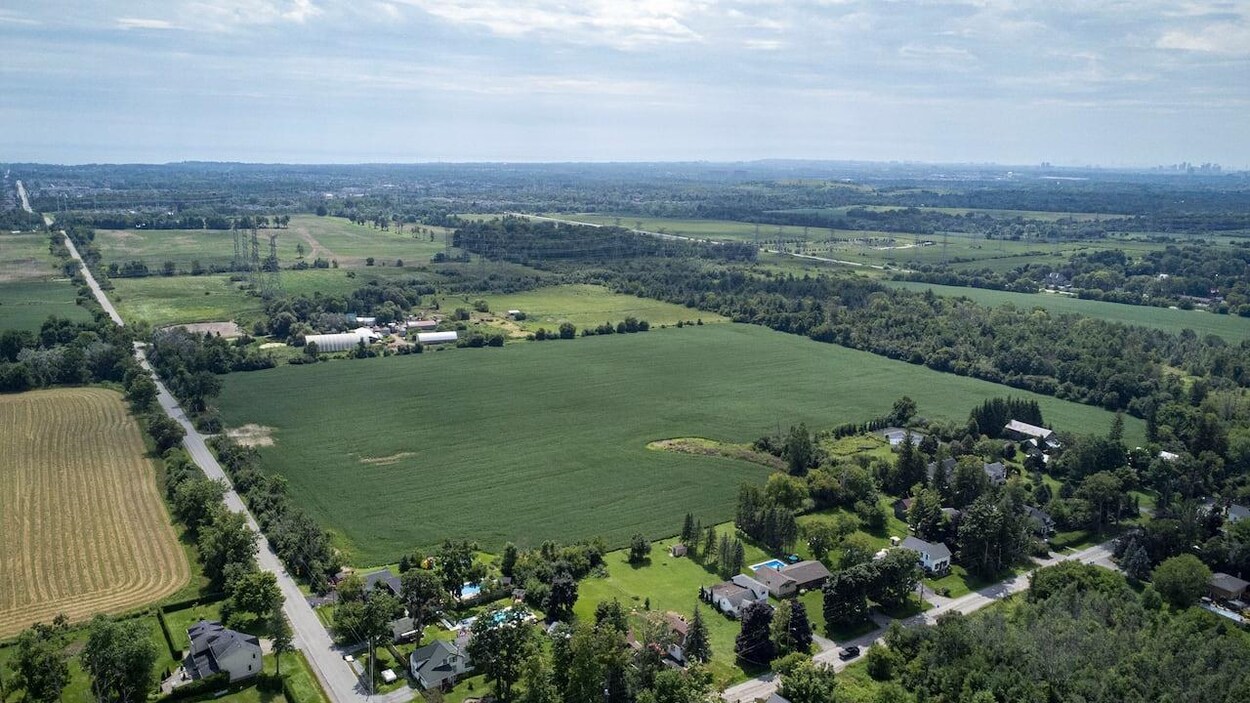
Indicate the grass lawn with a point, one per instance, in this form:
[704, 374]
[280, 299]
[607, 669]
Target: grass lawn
[671, 584]
[32, 286]
[1231, 327]
[167, 300]
[582, 305]
[960, 582]
[179, 620]
[299, 677]
[557, 432]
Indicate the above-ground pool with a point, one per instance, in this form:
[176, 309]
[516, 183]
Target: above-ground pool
[771, 563]
[470, 590]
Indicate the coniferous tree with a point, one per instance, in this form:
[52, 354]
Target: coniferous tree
[754, 643]
[698, 646]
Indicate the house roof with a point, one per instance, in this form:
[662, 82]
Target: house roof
[748, 583]
[402, 627]
[776, 698]
[996, 471]
[1228, 582]
[936, 552]
[948, 466]
[772, 578]
[211, 642]
[806, 571]
[433, 662]
[1238, 512]
[1027, 429]
[677, 624]
[382, 578]
[731, 592]
[905, 502]
[1038, 514]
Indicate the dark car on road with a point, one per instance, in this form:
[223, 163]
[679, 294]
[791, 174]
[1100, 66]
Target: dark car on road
[848, 653]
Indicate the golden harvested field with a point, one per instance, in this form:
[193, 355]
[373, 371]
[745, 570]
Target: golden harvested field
[82, 526]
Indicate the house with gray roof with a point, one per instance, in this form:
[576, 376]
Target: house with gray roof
[439, 664]
[947, 465]
[403, 630]
[807, 574]
[1237, 512]
[1227, 587]
[383, 579]
[216, 649]
[780, 584]
[934, 557]
[996, 472]
[729, 597]
[1043, 523]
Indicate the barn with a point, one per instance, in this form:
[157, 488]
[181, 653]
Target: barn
[436, 337]
[342, 341]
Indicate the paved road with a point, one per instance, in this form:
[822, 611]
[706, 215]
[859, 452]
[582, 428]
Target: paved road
[761, 687]
[310, 636]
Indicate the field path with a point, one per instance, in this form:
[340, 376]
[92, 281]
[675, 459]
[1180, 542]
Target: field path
[339, 681]
[83, 529]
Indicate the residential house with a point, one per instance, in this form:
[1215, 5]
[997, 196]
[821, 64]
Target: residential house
[1022, 431]
[679, 629]
[1227, 587]
[996, 472]
[1043, 524]
[759, 590]
[776, 698]
[948, 468]
[383, 579]
[729, 597]
[216, 649]
[403, 630]
[1237, 512]
[902, 507]
[439, 664]
[952, 514]
[807, 574]
[935, 558]
[779, 584]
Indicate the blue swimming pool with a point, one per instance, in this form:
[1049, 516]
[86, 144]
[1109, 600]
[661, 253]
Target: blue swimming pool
[470, 590]
[771, 563]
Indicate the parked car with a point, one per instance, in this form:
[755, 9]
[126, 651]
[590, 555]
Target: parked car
[848, 653]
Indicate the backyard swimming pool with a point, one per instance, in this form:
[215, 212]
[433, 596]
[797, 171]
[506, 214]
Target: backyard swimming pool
[771, 563]
[470, 590]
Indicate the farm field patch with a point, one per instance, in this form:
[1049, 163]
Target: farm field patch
[583, 305]
[1231, 327]
[32, 287]
[549, 440]
[330, 238]
[167, 300]
[82, 526]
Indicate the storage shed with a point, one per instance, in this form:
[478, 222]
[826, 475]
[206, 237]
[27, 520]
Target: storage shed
[436, 337]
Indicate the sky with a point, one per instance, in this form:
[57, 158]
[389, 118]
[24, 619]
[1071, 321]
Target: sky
[1072, 82]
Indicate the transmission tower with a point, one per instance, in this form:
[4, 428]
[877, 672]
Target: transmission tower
[236, 264]
[254, 259]
[945, 240]
[273, 281]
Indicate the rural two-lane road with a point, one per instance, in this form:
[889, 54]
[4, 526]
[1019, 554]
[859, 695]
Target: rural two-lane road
[761, 687]
[339, 681]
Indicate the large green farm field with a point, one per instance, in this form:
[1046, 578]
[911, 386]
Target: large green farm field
[330, 238]
[1230, 327]
[31, 285]
[585, 305]
[548, 440]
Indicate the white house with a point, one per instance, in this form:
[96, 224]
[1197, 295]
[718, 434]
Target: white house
[438, 664]
[436, 337]
[935, 558]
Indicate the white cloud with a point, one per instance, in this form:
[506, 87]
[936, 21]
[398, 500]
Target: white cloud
[618, 23]
[1229, 38]
[144, 23]
[764, 44]
[10, 17]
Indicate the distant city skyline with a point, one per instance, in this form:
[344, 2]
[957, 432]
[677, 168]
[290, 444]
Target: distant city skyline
[1108, 83]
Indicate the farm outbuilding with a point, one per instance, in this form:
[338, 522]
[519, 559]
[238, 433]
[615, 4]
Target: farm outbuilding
[341, 341]
[422, 324]
[436, 337]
